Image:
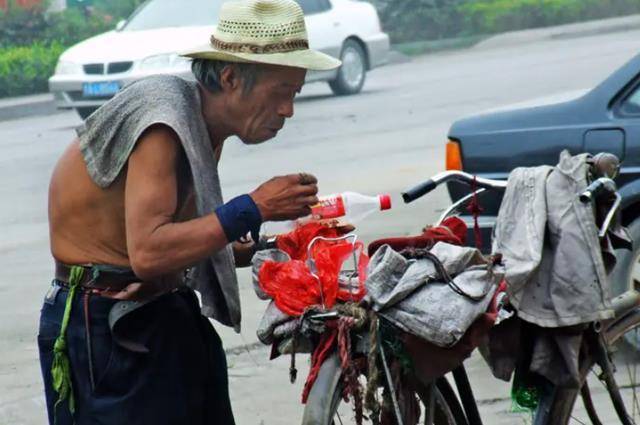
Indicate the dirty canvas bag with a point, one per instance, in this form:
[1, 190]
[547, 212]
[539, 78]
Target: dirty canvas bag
[414, 295]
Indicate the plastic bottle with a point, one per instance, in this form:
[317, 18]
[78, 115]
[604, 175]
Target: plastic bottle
[335, 210]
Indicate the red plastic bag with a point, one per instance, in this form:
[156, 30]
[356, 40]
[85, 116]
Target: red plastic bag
[292, 285]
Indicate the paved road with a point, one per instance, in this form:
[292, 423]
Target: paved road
[383, 140]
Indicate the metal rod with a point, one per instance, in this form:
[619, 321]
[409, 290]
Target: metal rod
[610, 215]
[466, 395]
[459, 203]
[625, 302]
[431, 399]
[387, 373]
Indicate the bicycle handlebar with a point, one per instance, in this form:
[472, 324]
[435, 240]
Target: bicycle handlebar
[435, 181]
[595, 189]
[419, 191]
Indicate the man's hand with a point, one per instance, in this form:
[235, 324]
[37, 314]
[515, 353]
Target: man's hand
[286, 197]
[243, 253]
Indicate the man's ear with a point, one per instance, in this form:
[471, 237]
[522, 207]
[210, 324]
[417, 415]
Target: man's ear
[229, 79]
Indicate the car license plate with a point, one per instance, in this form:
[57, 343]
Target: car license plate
[106, 88]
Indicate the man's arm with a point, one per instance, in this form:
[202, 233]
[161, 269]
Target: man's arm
[155, 243]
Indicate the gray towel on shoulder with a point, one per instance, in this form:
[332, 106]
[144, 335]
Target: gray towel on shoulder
[108, 137]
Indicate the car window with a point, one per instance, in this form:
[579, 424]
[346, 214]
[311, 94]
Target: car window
[171, 13]
[309, 7]
[631, 104]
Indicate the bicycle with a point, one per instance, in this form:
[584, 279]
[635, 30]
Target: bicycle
[325, 395]
[441, 404]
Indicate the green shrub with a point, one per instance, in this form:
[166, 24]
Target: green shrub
[492, 16]
[412, 20]
[23, 27]
[20, 26]
[25, 70]
[72, 26]
[32, 40]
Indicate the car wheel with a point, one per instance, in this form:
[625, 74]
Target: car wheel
[353, 71]
[85, 112]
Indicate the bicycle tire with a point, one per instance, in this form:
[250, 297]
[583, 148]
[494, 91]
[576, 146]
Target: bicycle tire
[325, 398]
[563, 399]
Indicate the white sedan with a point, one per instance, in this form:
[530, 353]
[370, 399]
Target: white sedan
[92, 71]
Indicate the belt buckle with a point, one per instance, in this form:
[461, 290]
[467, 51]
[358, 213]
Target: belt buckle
[52, 293]
[95, 273]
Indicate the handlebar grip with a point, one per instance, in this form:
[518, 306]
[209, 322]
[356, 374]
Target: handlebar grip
[418, 191]
[596, 188]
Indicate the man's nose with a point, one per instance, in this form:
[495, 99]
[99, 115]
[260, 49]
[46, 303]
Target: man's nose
[286, 109]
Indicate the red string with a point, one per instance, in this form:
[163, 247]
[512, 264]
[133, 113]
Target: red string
[349, 370]
[320, 354]
[337, 333]
[475, 210]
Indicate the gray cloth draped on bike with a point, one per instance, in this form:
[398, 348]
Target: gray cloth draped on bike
[108, 137]
[412, 294]
[549, 242]
[556, 275]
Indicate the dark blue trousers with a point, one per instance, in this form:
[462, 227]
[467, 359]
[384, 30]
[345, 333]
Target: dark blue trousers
[180, 380]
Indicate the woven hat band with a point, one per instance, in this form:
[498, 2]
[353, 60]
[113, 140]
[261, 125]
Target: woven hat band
[281, 47]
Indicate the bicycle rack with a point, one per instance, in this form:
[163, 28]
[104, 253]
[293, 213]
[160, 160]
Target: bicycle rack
[312, 265]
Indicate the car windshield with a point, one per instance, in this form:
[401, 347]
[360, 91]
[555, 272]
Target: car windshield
[172, 13]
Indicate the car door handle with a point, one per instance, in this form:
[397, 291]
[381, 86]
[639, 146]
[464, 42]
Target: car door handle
[336, 24]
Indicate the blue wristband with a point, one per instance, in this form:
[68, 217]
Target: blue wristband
[240, 216]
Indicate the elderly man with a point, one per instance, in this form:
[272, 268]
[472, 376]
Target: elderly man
[137, 222]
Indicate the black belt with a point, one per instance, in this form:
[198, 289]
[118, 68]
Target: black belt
[99, 278]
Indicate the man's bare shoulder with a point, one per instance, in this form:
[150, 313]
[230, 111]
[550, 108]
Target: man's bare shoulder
[158, 155]
[159, 141]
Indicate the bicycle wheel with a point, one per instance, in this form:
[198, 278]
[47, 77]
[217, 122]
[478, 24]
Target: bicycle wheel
[611, 366]
[326, 407]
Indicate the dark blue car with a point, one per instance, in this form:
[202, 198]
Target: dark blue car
[605, 119]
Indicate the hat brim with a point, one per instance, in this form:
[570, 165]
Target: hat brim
[306, 59]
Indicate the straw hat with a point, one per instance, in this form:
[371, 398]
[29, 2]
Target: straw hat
[263, 31]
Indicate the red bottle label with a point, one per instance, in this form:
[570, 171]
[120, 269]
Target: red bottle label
[328, 208]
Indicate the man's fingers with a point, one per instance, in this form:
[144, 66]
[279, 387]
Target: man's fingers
[305, 190]
[304, 179]
[305, 211]
[308, 200]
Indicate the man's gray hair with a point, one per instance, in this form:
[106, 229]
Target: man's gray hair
[207, 72]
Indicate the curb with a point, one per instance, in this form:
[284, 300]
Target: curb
[396, 57]
[27, 106]
[417, 48]
[581, 29]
